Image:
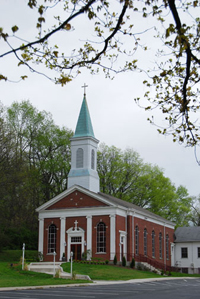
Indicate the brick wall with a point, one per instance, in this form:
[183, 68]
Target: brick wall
[142, 224]
[76, 200]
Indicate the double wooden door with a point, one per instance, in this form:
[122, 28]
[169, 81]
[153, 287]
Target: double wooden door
[76, 249]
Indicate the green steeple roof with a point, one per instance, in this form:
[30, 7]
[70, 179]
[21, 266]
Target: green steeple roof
[84, 124]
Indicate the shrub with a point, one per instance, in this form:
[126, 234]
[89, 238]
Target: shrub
[124, 261]
[106, 261]
[139, 266]
[132, 264]
[73, 275]
[115, 260]
[57, 274]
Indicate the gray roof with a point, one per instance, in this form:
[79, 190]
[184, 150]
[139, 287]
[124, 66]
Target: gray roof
[130, 205]
[187, 234]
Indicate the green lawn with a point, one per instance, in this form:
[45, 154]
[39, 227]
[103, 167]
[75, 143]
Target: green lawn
[15, 277]
[108, 272]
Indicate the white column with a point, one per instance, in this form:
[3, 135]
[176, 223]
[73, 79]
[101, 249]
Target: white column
[41, 235]
[89, 236]
[62, 236]
[112, 237]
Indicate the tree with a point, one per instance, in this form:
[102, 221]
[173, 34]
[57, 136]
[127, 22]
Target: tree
[34, 165]
[113, 45]
[124, 175]
[196, 211]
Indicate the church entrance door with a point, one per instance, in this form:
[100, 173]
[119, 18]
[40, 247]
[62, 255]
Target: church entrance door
[76, 249]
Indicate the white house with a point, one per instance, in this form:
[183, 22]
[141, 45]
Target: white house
[187, 249]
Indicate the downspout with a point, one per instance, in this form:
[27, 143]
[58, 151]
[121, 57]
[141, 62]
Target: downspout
[164, 248]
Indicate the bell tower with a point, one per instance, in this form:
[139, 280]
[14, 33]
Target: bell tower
[84, 152]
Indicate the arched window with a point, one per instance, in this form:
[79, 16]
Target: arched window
[101, 237]
[92, 159]
[136, 240]
[79, 158]
[145, 241]
[160, 245]
[167, 247]
[153, 243]
[52, 238]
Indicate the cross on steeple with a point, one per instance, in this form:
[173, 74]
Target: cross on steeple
[84, 86]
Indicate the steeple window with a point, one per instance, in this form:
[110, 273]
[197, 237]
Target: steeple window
[79, 158]
[92, 159]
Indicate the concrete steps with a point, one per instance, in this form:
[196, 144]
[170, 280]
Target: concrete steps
[150, 268]
[48, 268]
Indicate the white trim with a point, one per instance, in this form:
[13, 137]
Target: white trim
[89, 235]
[71, 232]
[41, 235]
[62, 236]
[112, 236]
[69, 191]
[123, 234]
[119, 210]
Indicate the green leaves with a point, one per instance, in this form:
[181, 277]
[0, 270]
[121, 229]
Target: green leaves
[63, 79]
[34, 164]
[124, 175]
[3, 77]
[15, 28]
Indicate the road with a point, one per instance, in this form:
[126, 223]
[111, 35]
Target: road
[160, 289]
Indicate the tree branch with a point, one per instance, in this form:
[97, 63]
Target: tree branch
[43, 39]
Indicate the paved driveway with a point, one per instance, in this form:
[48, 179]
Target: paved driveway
[171, 289]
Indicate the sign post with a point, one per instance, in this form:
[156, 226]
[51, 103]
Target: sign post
[23, 251]
[54, 266]
[71, 255]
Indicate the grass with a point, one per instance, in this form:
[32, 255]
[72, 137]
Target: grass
[108, 272]
[15, 277]
[111, 272]
[13, 256]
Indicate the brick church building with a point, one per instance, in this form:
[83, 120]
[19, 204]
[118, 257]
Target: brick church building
[84, 220]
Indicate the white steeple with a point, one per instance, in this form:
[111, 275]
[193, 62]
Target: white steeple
[84, 153]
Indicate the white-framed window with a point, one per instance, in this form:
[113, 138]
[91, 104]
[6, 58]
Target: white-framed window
[52, 238]
[167, 247]
[136, 240]
[160, 245]
[76, 239]
[79, 158]
[153, 243]
[101, 237]
[145, 241]
[184, 252]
